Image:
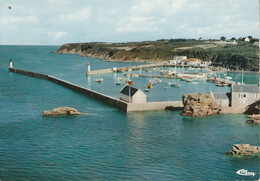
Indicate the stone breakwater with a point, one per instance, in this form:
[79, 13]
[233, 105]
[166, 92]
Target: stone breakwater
[125, 106]
[244, 149]
[199, 105]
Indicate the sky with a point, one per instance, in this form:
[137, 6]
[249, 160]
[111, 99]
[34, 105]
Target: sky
[56, 22]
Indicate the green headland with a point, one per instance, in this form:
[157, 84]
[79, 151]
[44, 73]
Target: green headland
[233, 54]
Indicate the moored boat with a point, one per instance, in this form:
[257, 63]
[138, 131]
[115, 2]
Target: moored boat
[174, 84]
[100, 80]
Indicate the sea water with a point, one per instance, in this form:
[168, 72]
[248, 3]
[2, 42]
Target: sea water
[107, 143]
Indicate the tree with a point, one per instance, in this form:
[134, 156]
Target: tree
[250, 38]
[223, 38]
[233, 38]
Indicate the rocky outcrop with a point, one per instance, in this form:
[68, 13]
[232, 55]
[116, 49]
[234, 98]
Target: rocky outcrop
[244, 149]
[62, 111]
[199, 105]
[253, 108]
[253, 121]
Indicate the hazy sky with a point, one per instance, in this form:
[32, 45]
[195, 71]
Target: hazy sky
[55, 22]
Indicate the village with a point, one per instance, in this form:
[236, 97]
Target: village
[236, 100]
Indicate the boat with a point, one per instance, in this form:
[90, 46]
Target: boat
[100, 80]
[174, 84]
[245, 173]
[228, 77]
[186, 79]
[194, 82]
[118, 82]
[164, 72]
[146, 90]
[130, 82]
[149, 85]
[220, 84]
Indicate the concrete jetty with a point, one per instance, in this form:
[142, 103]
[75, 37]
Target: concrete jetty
[136, 67]
[155, 76]
[125, 106]
[124, 69]
[221, 81]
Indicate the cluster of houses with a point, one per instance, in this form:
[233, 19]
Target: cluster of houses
[234, 42]
[240, 95]
[184, 61]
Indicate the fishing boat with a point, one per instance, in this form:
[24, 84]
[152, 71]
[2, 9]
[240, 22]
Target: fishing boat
[130, 82]
[164, 72]
[118, 82]
[186, 79]
[100, 80]
[194, 82]
[149, 85]
[228, 77]
[220, 84]
[174, 84]
[245, 173]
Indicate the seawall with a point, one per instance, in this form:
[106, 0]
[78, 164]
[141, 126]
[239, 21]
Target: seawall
[102, 97]
[128, 107]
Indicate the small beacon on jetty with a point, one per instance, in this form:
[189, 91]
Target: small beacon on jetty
[11, 64]
[88, 67]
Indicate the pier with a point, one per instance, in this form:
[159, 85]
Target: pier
[124, 69]
[125, 106]
[221, 81]
[155, 76]
[136, 67]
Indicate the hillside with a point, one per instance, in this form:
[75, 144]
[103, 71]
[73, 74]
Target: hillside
[243, 55]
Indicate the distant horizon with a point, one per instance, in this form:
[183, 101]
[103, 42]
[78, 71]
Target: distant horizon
[197, 39]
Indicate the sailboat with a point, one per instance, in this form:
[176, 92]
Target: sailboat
[118, 81]
[99, 80]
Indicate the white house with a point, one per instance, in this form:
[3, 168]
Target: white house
[132, 95]
[247, 39]
[243, 95]
[177, 59]
[230, 42]
[191, 62]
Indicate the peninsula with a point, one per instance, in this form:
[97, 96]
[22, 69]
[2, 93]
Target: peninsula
[229, 54]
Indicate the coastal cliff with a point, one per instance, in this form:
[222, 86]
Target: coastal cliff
[242, 55]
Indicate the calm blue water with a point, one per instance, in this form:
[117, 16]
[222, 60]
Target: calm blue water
[108, 144]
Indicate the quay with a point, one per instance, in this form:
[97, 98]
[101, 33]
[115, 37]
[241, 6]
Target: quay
[136, 67]
[155, 76]
[123, 105]
[123, 69]
[221, 81]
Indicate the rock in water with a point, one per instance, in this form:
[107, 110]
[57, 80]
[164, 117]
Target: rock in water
[62, 111]
[199, 105]
[253, 121]
[244, 149]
